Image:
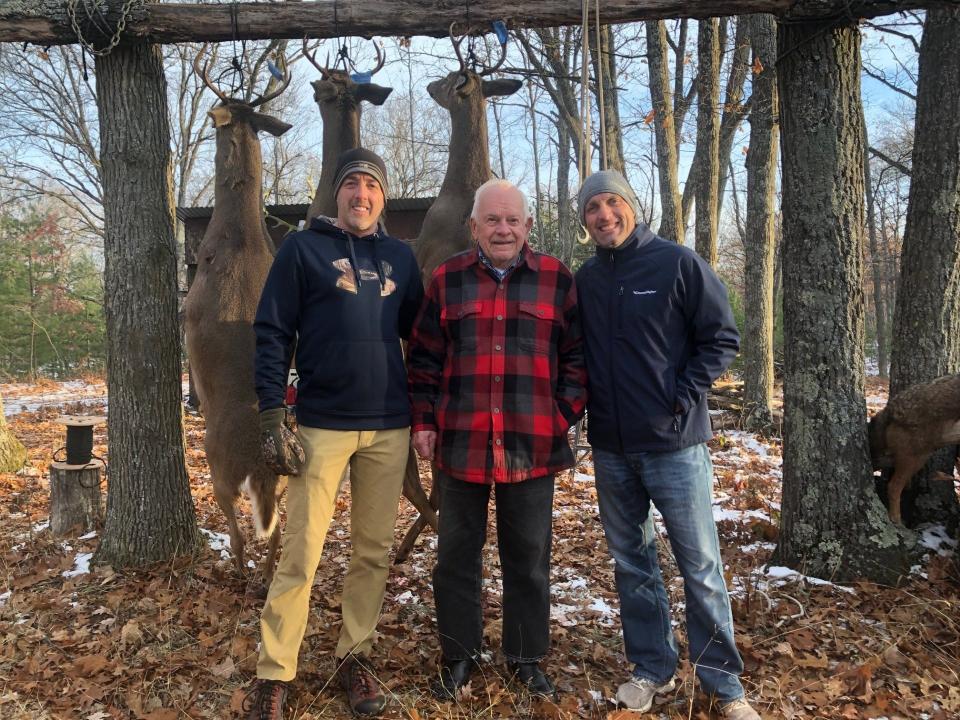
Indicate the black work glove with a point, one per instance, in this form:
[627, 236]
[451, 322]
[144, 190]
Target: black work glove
[282, 451]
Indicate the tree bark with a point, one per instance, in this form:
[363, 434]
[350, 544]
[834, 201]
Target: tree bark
[671, 222]
[879, 306]
[833, 525]
[926, 319]
[708, 137]
[734, 111]
[759, 241]
[12, 453]
[150, 514]
[611, 134]
[45, 22]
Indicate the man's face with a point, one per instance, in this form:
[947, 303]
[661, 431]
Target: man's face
[359, 203]
[609, 219]
[499, 226]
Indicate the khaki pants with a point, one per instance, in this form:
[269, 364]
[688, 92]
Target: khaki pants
[377, 460]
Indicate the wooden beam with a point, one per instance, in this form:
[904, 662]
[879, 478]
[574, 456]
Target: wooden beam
[45, 22]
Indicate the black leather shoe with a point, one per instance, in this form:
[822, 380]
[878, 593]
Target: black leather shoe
[533, 679]
[453, 676]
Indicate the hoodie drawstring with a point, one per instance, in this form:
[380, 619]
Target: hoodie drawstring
[353, 260]
[376, 262]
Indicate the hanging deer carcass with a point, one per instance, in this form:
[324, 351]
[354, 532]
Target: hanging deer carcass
[445, 231]
[232, 264]
[339, 98]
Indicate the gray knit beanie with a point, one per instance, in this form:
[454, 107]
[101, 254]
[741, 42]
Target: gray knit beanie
[360, 160]
[607, 181]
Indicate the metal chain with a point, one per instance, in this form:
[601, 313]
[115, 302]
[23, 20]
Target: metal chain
[92, 6]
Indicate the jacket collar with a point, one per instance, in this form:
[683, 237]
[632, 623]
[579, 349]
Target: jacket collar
[527, 255]
[327, 225]
[640, 237]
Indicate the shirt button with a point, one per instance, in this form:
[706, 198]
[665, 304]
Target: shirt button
[496, 378]
[496, 347]
[499, 442]
[499, 317]
[496, 410]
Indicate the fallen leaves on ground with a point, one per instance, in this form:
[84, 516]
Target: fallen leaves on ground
[180, 640]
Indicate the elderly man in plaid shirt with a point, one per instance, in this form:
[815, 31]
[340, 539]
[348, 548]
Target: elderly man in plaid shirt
[496, 374]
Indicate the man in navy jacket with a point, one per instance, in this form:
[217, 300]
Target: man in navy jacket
[347, 293]
[658, 330]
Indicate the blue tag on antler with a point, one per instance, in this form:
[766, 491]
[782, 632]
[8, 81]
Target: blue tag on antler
[500, 28]
[274, 70]
[361, 78]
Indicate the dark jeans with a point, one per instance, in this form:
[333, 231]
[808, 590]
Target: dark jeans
[524, 535]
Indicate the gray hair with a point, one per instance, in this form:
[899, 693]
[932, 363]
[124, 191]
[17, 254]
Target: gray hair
[504, 185]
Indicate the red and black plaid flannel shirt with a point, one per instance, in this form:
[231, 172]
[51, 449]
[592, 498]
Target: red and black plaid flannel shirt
[497, 368]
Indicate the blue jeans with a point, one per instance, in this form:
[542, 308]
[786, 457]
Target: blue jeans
[679, 484]
[524, 536]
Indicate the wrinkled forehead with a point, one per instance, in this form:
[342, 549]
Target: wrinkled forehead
[358, 176]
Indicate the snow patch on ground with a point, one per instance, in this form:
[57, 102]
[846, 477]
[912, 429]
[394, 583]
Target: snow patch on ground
[81, 566]
[218, 542]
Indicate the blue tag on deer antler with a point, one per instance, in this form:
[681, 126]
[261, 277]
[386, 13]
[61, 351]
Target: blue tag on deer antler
[500, 28]
[274, 70]
[361, 78]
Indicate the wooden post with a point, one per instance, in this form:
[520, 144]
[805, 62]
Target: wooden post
[74, 496]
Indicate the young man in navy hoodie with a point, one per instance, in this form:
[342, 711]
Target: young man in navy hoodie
[345, 293]
[658, 330]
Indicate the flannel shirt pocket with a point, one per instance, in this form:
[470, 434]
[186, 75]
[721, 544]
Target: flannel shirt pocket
[536, 327]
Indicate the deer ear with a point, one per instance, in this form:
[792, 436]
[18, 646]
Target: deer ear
[501, 86]
[372, 93]
[261, 121]
[221, 116]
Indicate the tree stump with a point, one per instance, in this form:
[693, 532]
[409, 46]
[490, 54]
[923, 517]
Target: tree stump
[74, 496]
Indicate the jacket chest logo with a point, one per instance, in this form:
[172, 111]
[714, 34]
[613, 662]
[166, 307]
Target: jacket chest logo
[347, 279]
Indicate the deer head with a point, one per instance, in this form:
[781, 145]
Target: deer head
[463, 94]
[339, 98]
[238, 162]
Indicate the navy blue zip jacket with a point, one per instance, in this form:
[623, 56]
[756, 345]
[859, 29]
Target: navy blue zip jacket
[658, 330]
[347, 301]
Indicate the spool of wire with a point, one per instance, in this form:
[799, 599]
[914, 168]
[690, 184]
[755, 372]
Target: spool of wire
[79, 437]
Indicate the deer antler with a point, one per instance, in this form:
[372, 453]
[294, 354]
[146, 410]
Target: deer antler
[282, 62]
[485, 70]
[204, 72]
[312, 57]
[456, 46]
[381, 57]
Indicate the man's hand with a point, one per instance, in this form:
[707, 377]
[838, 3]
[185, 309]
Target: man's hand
[282, 451]
[425, 443]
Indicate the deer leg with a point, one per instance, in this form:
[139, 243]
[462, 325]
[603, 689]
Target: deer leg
[904, 469]
[414, 532]
[413, 491]
[269, 564]
[225, 499]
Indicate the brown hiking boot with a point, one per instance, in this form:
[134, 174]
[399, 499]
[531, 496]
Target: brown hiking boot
[266, 699]
[363, 692]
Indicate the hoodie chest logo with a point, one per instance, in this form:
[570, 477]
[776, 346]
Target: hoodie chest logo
[644, 292]
[347, 280]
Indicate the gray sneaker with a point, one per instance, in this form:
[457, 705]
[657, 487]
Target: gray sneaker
[638, 693]
[738, 710]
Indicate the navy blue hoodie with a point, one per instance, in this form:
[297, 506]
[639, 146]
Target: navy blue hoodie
[347, 301]
[658, 330]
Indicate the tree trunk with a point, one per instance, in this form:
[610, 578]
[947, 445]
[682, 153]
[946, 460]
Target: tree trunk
[568, 238]
[150, 514]
[926, 318]
[45, 22]
[611, 134]
[12, 453]
[833, 525]
[759, 241]
[708, 137]
[671, 223]
[879, 306]
[734, 111]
